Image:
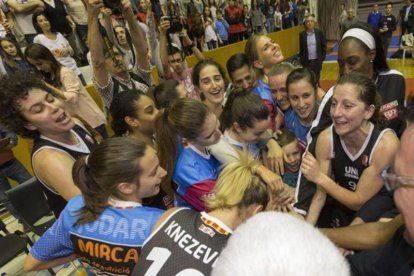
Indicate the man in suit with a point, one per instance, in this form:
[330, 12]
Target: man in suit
[312, 44]
[407, 18]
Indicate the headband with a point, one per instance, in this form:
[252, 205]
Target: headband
[364, 36]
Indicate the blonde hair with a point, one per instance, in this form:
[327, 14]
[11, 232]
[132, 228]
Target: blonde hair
[237, 186]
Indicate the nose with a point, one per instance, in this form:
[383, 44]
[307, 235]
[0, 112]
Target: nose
[336, 111]
[162, 172]
[246, 84]
[301, 102]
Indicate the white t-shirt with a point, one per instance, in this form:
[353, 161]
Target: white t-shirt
[24, 19]
[59, 43]
[210, 33]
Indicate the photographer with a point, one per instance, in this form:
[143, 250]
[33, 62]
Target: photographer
[110, 74]
[173, 59]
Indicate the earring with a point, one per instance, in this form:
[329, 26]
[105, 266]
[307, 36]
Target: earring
[371, 61]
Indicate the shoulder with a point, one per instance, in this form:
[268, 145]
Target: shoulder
[386, 147]
[391, 72]
[166, 216]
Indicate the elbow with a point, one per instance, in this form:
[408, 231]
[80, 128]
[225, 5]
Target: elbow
[355, 206]
[30, 263]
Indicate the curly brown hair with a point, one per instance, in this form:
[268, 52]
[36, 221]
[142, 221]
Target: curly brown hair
[14, 88]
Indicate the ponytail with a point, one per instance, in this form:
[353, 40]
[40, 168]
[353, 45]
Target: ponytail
[94, 197]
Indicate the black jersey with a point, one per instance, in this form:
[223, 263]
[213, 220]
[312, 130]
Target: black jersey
[347, 169]
[187, 241]
[394, 258]
[56, 202]
[391, 87]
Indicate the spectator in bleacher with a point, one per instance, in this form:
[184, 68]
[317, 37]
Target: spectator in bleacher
[213, 9]
[173, 59]
[12, 56]
[33, 112]
[407, 18]
[22, 11]
[240, 72]
[286, 10]
[66, 85]
[278, 19]
[269, 12]
[124, 39]
[209, 29]
[222, 28]
[257, 17]
[342, 17]
[312, 45]
[387, 25]
[234, 16]
[110, 74]
[374, 17]
[10, 167]
[55, 42]
[76, 10]
[349, 20]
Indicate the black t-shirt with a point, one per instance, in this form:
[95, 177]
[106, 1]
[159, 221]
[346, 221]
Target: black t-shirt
[396, 258]
[57, 16]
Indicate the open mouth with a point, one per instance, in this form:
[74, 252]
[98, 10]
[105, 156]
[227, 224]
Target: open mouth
[61, 118]
[215, 93]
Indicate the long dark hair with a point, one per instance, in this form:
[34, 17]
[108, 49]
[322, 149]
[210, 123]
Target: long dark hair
[97, 176]
[244, 108]
[185, 118]
[123, 105]
[165, 94]
[7, 58]
[36, 25]
[38, 51]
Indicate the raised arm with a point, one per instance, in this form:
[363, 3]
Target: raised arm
[138, 37]
[163, 27]
[96, 45]
[370, 181]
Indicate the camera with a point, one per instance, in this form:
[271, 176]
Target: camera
[175, 24]
[114, 5]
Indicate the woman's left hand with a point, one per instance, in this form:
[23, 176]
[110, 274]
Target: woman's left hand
[310, 167]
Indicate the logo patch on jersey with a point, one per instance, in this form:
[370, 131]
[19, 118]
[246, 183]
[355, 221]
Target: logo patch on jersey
[351, 172]
[390, 110]
[89, 138]
[365, 160]
[207, 230]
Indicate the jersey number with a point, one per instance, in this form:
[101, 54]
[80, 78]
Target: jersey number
[159, 256]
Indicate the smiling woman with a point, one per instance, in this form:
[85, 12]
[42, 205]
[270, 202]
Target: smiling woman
[33, 112]
[183, 133]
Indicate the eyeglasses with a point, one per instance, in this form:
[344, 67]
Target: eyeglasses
[393, 181]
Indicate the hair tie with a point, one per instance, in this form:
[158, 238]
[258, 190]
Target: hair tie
[364, 36]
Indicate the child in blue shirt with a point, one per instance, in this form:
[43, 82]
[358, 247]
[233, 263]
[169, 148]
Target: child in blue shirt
[222, 28]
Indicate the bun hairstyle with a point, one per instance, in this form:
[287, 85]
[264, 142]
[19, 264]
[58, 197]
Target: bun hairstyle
[238, 186]
[242, 107]
[97, 175]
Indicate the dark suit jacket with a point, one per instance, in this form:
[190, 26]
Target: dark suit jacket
[410, 22]
[320, 46]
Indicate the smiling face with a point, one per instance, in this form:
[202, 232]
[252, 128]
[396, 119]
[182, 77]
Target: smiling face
[292, 156]
[9, 48]
[43, 23]
[404, 166]
[277, 84]
[348, 111]
[211, 85]
[269, 53]
[302, 98]
[45, 113]
[253, 134]
[209, 134]
[151, 176]
[352, 57]
[243, 78]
